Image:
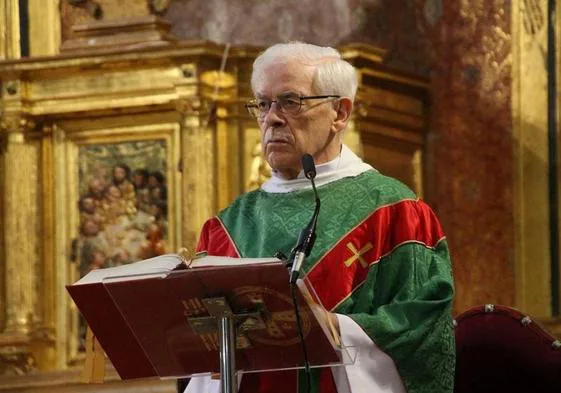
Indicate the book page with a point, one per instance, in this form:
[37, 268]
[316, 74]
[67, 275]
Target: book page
[163, 264]
[160, 264]
[211, 260]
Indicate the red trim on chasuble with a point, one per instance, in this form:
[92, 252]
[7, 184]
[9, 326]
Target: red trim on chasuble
[345, 266]
[215, 240]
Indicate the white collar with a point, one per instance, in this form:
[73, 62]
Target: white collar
[346, 164]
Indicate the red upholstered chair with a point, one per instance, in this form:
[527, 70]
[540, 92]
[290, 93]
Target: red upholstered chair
[499, 349]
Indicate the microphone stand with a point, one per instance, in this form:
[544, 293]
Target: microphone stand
[304, 245]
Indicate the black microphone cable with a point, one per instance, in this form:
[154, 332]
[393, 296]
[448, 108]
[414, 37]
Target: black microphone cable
[307, 236]
[301, 336]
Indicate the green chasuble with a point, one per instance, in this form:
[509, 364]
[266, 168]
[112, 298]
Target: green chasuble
[380, 257]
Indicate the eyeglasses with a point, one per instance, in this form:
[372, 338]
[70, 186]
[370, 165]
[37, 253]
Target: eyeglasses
[289, 104]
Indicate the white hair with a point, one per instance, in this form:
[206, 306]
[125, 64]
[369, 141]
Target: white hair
[332, 74]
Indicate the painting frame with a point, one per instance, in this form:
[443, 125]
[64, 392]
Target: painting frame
[67, 147]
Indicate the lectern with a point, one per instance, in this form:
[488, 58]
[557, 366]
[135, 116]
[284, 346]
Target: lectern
[224, 315]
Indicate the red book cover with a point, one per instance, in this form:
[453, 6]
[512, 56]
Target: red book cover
[165, 324]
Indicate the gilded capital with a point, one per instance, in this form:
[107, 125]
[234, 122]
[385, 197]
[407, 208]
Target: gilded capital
[16, 123]
[189, 105]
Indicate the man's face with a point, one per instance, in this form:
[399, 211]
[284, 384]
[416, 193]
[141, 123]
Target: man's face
[88, 205]
[286, 137]
[139, 180]
[153, 182]
[90, 228]
[119, 174]
[96, 187]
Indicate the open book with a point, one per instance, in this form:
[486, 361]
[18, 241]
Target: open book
[165, 264]
[159, 317]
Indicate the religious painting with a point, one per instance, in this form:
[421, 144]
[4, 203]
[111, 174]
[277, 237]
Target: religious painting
[118, 202]
[123, 203]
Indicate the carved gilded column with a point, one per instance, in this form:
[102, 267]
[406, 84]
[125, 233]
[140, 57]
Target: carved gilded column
[20, 208]
[9, 33]
[44, 27]
[20, 251]
[228, 160]
[197, 152]
[220, 88]
[61, 245]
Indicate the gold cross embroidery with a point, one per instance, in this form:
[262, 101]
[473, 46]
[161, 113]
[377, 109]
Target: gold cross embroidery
[358, 254]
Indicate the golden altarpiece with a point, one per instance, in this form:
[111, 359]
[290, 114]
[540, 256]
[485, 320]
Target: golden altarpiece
[122, 87]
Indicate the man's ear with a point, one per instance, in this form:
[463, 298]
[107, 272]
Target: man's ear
[343, 107]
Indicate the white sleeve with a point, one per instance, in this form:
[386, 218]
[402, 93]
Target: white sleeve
[373, 370]
[203, 384]
[206, 384]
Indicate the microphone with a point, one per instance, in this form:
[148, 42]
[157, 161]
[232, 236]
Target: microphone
[307, 236]
[309, 168]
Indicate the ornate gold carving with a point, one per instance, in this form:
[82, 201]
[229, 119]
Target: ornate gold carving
[251, 147]
[191, 106]
[43, 334]
[17, 355]
[218, 84]
[17, 124]
[93, 8]
[16, 361]
[11, 88]
[260, 170]
[533, 16]
[159, 7]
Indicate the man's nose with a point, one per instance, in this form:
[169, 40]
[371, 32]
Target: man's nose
[274, 117]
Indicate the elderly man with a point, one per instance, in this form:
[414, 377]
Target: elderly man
[380, 263]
